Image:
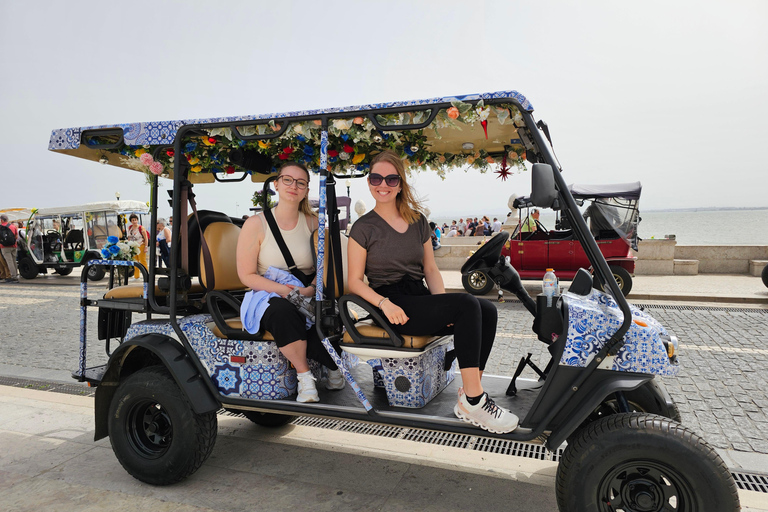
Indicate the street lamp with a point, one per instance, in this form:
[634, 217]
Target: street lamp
[117, 195]
[348, 183]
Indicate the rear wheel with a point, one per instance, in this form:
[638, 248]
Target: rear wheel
[641, 463]
[765, 275]
[623, 279]
[267, 419]
[28, 268]
[155, 433]
[477, 282]
[64, 271]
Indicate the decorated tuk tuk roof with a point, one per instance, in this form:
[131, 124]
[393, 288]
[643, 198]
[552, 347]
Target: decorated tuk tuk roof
[124, 206]
[481, 130]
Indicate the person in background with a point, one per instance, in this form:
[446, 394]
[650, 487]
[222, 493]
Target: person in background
[391, 246]
[436, 235]
[137, 233]
[9, 251]
[163, 235]
[461, 226]
[496, 226]
[529, 225]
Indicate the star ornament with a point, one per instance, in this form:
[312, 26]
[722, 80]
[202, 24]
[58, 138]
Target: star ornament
[503, 171]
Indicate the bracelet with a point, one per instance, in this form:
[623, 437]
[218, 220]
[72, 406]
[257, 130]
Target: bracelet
[382, 301]
[313, 285]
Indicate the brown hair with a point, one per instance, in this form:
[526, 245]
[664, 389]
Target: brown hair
[304, 206]
[407, 204]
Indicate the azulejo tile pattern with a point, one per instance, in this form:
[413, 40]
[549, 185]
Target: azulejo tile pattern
[265, 375]
[164, 132]
[593, 318]
[423, 374]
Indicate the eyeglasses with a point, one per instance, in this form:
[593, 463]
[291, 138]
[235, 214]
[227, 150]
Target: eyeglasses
[288, 181]
[392, 180]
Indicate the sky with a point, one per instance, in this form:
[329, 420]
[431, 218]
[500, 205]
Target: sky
[672, 94]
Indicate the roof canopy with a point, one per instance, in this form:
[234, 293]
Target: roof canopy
[125, 206]
[483, 130]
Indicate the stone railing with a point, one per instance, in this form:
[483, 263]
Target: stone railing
[655, 257]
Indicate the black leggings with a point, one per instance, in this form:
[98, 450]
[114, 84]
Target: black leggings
[287, 325]
[474, 320]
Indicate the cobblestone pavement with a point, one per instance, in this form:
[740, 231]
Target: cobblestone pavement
[722, 389]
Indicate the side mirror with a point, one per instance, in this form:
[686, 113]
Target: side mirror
[543, 191]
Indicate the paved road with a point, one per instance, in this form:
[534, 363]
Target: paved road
[722, 390]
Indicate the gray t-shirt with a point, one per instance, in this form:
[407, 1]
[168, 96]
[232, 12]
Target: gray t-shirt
[391, 255]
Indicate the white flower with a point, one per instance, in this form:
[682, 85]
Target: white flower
[342, 124]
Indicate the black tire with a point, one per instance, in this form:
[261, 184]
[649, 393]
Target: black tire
[765, 275]
[648, 398]
[477, 282]
[28, 268]
[65, 271]
[643, 462]
[154, 432]
[95, 272]
[267, 419]
[623, 279]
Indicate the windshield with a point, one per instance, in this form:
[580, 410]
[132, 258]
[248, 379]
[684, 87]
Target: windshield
[612, 217]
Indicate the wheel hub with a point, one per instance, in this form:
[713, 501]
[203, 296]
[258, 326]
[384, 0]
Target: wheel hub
[642, 495]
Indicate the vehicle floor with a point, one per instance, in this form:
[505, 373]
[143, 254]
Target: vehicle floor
[441, 405]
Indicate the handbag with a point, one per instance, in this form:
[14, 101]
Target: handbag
[305, 279]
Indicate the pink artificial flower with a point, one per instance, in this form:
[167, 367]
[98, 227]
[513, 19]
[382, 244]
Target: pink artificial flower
[146, 159]
[156, 168]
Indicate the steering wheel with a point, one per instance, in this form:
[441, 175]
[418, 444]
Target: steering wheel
[52, 232]
[488, 253]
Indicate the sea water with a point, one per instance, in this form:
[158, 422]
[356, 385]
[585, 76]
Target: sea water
[690, 227]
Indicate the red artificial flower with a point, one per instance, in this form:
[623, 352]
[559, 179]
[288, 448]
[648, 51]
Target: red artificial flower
[283, 156]
[229, 169]
[170, 153]
[348, 148]
[333, 153]
[287, 151]
[212, 140]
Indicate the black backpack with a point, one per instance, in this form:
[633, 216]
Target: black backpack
[7, 238]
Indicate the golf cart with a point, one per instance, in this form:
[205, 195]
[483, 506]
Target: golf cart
[66, 237]
[186, 355]
[612, 211]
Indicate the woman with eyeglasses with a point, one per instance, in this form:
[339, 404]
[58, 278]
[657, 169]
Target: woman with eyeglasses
[257, 250]
[391, 245]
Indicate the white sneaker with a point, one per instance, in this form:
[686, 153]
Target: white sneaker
[307, 389]
[486, 414]
[335, 380]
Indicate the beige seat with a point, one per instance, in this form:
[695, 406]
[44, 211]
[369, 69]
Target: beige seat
[369, 329]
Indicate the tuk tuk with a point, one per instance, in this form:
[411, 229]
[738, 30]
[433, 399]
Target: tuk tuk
[613, 215]
[186, 355]
[66, 237]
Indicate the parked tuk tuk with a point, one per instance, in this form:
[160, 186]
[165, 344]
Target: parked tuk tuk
[187, 356]
[66, 237]
[613, 215]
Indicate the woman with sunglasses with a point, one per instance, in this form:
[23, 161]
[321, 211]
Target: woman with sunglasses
[257, 250]
[391, 246]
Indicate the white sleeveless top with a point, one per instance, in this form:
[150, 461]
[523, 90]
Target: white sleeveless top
[298, 242]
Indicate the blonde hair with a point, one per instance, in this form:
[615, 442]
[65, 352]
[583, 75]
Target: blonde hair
[304, 206]
[407, 204]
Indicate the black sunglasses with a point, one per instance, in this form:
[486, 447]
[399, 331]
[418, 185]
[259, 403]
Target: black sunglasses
[392, 180]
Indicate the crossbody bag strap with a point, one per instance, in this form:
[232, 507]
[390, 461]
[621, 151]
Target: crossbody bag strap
[283, 247]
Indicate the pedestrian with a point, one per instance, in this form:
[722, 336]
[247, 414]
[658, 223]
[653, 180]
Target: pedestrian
[137, 233]
[8, 234]
[163, 235]
[461, 227]
[496, 227]
[391, 246]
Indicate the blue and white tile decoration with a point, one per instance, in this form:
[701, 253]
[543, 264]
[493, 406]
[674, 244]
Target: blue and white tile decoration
[595, 317]
[266, 374]
[425, 372]
[164, 132]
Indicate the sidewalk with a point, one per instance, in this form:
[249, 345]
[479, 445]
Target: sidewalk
[49, 462]
[731, 288]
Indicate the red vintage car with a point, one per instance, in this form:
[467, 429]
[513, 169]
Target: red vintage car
[613, 215]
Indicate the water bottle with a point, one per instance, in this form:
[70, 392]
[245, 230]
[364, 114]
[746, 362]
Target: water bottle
[549, 286]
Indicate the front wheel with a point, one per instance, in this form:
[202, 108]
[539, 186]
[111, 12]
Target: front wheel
[267, 419]
[28, 268]
[154, 432]
[64, 271]
[477, 282]
[623, 279]
[765, 275]
[641, 463]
